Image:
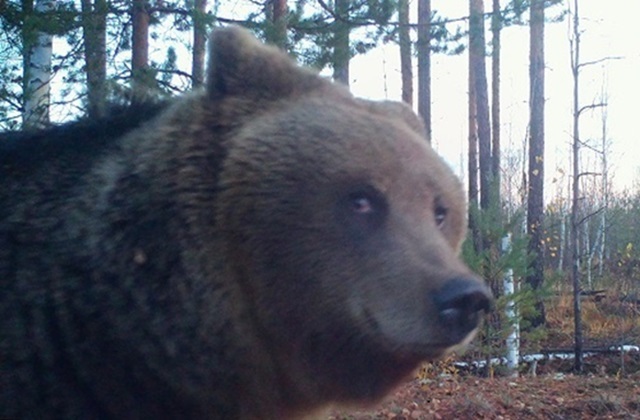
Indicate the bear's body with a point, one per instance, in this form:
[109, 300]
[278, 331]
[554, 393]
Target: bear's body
[258, 250]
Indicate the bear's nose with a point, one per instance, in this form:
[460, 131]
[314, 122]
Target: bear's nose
[460, 303]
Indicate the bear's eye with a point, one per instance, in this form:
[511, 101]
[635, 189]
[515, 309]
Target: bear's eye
[363, 209]
[361, 204]
[366, 201]
[440, 214]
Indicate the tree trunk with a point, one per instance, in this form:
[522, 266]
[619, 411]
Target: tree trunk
[94, 25]
[28, 38]
[563, 235]
[605, 192]
[424, 63]
[472, 161]
[199, 42]
[512, 343]
[535, 202]
[277, 31]
[37, 46]
[406, 67]
[478, 66]
[341, 48]
[496, 27]
[140, 52]
[588, 251]
[575, 194]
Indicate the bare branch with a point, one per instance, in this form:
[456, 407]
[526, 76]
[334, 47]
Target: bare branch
[592, 106]
[189, 12]
[13, 101]
[176, 72]
[329, 10]
[170, 87]
[601, 60]
[589, 173]
[590, 215]
[592, 148]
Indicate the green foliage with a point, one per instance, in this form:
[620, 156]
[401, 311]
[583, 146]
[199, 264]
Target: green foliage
[11, 80]
[313, 24]
[446, 38]
[311, 27]
[168, 77]
[25, 21]
[19, 27]
[516, 10]
[622, 245]
[492, 263]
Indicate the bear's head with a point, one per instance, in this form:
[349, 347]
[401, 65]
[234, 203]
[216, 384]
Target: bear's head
[343, 223]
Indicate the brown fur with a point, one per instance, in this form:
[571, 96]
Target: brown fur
[257, 250]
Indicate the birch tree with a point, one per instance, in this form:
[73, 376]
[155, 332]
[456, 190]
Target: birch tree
[38, 49]
[602, 231]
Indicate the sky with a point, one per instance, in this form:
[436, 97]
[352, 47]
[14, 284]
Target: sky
[609, 29]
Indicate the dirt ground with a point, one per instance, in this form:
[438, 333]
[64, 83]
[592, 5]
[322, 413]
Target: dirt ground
[552, 394]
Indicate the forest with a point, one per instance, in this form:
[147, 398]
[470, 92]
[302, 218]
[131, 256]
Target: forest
[559, 246]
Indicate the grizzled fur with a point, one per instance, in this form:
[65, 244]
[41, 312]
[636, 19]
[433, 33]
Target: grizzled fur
[259, 249]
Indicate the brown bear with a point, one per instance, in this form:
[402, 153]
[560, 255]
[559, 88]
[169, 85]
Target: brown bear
[263, 248]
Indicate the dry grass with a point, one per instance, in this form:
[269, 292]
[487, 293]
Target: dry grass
[608, 321]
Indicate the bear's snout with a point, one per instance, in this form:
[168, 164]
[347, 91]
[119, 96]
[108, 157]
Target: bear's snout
[460, 303]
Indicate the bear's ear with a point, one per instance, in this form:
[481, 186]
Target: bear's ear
[397, 110]
[239, 65]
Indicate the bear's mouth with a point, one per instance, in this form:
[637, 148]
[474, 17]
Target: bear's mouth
[421, 352]
[413, 351]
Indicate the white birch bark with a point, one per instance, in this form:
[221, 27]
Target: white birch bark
[37, 93]
[513, 339]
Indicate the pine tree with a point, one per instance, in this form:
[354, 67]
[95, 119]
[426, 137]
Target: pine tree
[424, 63]
[94, 26]
[535, 203]
[404, 39]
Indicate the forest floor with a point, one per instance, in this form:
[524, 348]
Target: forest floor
[546, 396]
[609, 388]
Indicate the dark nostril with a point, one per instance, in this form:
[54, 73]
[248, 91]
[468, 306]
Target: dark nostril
[460, 303]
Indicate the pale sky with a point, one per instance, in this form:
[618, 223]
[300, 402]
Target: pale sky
[609, 29]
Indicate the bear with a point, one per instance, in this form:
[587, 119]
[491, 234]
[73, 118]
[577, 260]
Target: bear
[266, 247]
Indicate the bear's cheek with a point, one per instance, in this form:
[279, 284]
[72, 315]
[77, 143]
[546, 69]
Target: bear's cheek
[392, 307]
[389, 291]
